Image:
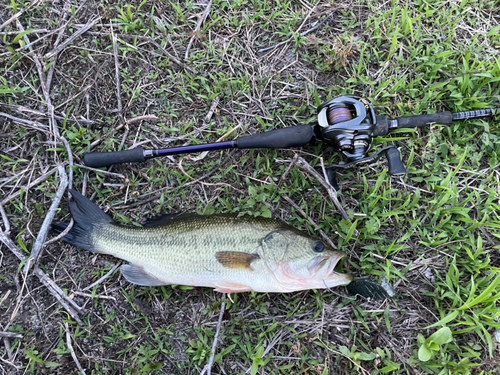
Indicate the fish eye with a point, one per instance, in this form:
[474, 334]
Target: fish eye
[318, 247]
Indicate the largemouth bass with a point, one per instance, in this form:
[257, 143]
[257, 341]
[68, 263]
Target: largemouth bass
[226, 252]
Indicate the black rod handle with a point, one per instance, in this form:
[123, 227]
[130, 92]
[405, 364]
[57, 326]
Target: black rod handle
[293, 136]
[105, 159]
[418, 121]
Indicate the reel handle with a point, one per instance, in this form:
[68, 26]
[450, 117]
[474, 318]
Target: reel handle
[396, 166]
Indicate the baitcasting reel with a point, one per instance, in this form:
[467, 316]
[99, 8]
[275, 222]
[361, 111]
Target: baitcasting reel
[349, 124]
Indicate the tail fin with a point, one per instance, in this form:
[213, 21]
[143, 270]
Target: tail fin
[86, 215]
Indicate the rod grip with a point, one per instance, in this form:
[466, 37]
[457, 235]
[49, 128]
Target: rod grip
[293, 136]
[105, 159]
[418, 121]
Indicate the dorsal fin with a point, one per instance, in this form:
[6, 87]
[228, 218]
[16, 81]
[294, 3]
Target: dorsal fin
[236, 259]
[166, 218]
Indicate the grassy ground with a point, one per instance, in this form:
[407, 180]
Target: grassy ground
[432, 234]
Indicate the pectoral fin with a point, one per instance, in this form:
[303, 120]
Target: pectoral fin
[137, 275]
[236, 259]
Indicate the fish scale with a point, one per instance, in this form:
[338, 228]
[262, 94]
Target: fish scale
[163, 248]
[227, 252]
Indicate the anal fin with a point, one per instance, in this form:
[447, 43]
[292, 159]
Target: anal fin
[228, 287]
[137, 275]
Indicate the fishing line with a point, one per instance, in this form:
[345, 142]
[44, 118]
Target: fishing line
[340, 295]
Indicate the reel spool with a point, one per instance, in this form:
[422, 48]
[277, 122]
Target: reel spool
[336, 114]
[348, 122]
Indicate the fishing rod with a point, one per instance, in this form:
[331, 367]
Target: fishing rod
[347, 123]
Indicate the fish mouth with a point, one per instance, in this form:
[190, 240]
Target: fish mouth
[324, 268]
[319, 262]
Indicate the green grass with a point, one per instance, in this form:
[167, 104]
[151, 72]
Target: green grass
[432, 234]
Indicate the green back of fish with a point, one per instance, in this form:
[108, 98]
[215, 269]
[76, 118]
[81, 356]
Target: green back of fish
[192, 236]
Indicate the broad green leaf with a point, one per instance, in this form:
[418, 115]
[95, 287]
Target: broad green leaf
[424, 354]
[441, 336]
[365, 356]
